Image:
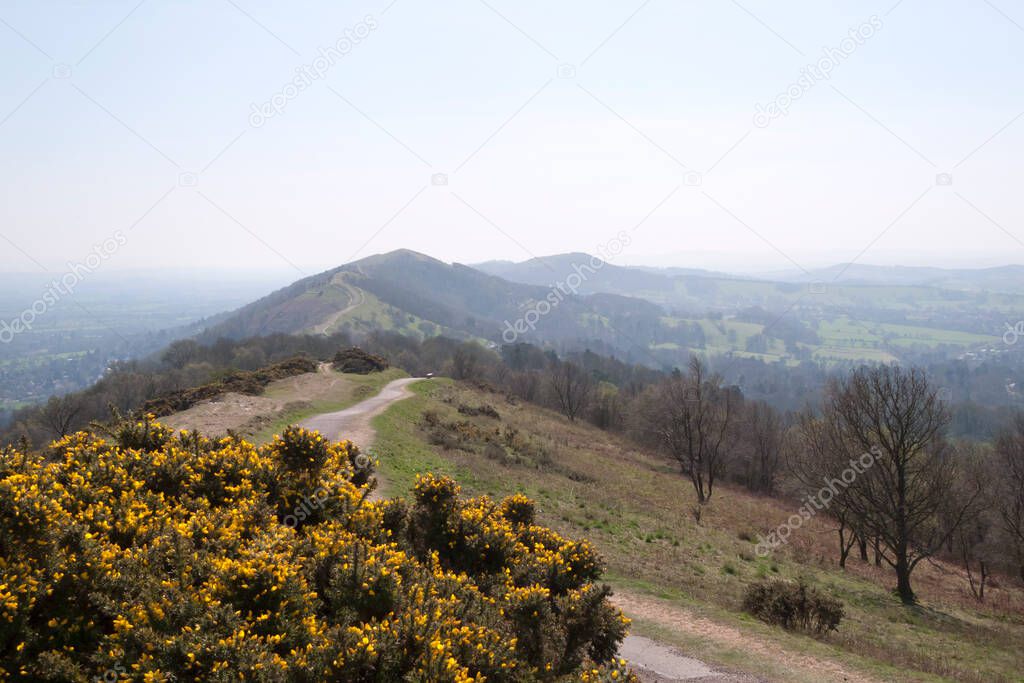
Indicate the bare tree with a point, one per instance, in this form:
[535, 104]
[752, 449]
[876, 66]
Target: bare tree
[572, 388]
[59, 414]
[607, 407]
[1010, 501]
[181, 353]
[904, 497]
[526, 385]
[972, 544]
[692, 418]
[763, 436]
[467, 361]
[819, 467]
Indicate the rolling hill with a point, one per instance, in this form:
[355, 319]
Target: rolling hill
[415, 294]
[1004, 279]
[575, 301]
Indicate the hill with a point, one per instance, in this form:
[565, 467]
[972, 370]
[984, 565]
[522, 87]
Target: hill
[574, 301]
[597, 275]
[681, 579]
[414, 294]
[1005, 279]
[845, 313]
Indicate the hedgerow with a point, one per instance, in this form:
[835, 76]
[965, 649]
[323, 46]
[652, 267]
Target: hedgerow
[150, 555]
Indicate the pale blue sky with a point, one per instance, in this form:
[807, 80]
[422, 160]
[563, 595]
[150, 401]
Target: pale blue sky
[109, 103]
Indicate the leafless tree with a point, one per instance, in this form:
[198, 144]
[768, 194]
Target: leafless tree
[763, 436]
[818, 466]
[526, 385]
[904, 497]
[467, 361]
[606, 412]
[572, 388]
[692, 418]
[181, 353]
[59, 414]
[1010, 499]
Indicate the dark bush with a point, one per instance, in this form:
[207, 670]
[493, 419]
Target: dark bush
[486, 410]
[355, 360]
[795, 606]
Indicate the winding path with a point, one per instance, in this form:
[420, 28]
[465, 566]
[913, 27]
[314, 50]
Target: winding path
[353, 423]
[356, 299]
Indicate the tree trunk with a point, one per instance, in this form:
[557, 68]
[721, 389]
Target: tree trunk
[862, 544]
[906, 593]
[698, 486]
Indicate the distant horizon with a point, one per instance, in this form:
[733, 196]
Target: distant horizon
[662, 262]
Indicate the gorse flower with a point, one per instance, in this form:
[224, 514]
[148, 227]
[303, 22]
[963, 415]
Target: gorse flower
[165, 556]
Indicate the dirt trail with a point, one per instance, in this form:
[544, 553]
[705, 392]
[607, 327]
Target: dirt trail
[356, 299]
[678, 619]
[353, 423]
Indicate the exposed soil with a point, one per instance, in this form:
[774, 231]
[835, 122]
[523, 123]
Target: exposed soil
[247, 415]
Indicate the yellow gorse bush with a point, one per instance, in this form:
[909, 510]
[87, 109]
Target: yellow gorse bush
[158, 556]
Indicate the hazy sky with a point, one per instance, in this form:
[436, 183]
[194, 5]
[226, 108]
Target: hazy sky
[556, 125]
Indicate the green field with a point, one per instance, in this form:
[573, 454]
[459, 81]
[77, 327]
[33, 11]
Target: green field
[842, 339]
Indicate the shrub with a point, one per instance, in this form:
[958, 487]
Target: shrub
[486, 410]
[355, 360]
[153, 555]
[793, 606]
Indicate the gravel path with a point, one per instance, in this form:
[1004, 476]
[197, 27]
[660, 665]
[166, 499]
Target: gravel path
[353, 423]
[657, 663]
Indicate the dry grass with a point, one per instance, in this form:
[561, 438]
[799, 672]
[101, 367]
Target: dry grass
[639, 511]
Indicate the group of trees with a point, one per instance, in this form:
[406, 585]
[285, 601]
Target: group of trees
[878, 439]
[922, 494]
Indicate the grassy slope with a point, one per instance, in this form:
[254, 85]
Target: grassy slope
[638, 511]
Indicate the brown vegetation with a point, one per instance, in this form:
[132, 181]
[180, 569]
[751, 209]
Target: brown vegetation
[356, 361]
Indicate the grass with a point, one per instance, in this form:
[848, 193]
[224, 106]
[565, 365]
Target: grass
[354, 389]
[638, 511]
[402, 447]
[842, 339]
